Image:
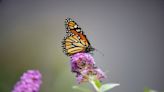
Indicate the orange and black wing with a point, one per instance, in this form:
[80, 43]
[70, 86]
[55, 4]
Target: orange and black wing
[72, 27]
[75, 40]
[73, 44]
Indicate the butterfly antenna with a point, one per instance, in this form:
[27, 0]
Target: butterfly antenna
[99, 52]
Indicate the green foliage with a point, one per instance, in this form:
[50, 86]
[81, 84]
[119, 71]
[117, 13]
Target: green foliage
[98, 83]
[81, 89]
[149, 90]
[109, 86]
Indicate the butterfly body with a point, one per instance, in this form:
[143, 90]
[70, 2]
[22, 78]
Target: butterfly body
[75, 41]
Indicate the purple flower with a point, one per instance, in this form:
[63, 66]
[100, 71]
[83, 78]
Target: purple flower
[90, 74]
[30, 81]
[81, 61]
[84, 66]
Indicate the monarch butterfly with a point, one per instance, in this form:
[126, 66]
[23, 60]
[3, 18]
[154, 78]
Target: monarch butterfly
[75, 41]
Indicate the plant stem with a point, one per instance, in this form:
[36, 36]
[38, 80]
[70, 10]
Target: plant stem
[94, 85]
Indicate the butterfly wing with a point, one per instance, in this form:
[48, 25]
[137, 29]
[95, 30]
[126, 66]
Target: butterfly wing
[72, 45]
[75, 41]
[72, 26]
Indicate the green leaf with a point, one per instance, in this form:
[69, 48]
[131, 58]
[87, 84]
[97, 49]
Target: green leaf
[106, 87]
[149, 90]
[146, 89]
[81, 89]
[98, 83]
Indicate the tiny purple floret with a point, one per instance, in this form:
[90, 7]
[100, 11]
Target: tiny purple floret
[95, 74]
[83, 65]
[30, 81]
[81, 61]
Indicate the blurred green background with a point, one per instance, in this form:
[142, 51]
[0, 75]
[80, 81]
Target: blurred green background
[128, 32]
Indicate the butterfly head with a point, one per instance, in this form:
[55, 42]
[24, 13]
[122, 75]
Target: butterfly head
[89, 49]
